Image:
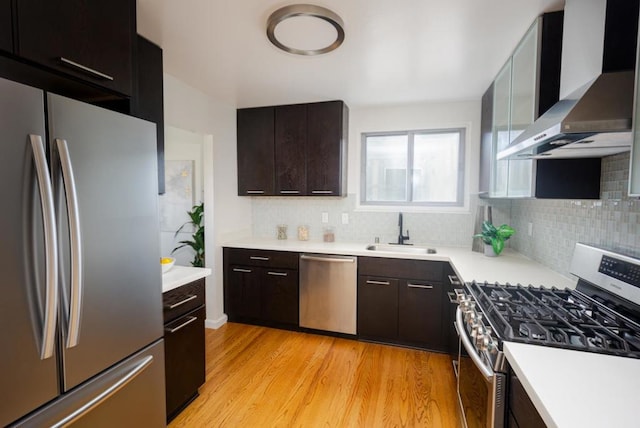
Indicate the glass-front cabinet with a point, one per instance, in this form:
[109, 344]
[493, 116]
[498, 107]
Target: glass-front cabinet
[500, 130]
[516, 105]
[514, 109]
[634, 167]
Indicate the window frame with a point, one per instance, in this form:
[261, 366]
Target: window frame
[460, 192]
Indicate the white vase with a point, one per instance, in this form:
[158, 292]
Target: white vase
[488, 251]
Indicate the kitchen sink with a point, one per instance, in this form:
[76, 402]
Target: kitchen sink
[411, 249]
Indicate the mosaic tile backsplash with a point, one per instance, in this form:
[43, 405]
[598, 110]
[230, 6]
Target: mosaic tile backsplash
[613, 221]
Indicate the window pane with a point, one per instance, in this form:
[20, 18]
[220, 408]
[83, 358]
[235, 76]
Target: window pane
[386, 168]
[435, 167]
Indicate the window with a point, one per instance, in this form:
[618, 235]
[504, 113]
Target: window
[421, 168]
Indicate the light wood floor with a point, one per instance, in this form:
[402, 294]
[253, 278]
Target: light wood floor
[262, 377]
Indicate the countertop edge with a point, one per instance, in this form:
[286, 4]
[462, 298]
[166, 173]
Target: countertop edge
[510, 267]
[181, 275]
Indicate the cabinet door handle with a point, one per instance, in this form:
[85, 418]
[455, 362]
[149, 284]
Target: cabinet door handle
[84, 68]
[453, 279]
[278, 273]
[369, 281]
[426, 287]
[182, 302]
[289, 192]
[322, 192]
[255, 192]
[264, 259]
[242, 270]
[452, 298]
[181, 326]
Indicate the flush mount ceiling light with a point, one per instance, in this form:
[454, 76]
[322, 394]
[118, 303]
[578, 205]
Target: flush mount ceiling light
[305, 29]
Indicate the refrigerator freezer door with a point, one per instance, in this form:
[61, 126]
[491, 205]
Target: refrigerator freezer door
[27, 380]
[115, 168]
[129, 395]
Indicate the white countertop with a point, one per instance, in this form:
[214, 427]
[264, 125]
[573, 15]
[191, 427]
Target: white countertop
[181, 275]
[576, 388]
[510, 266]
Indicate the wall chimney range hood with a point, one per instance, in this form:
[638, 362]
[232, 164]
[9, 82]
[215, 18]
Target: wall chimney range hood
[594, 115]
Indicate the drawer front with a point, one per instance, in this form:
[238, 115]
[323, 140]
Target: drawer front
[265, 258]
[181, 300]
[400, 268]
[184, 359]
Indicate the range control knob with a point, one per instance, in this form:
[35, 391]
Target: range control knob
[482, 342]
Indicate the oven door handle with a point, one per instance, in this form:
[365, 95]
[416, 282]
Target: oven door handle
[466, 342]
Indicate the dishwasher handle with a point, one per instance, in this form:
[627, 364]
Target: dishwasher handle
[328, 259]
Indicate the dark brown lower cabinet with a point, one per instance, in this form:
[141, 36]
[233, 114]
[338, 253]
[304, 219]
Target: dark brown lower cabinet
[261, 287]
[420, 312]
[394, 308]
[377, 308]
[280, 297]
[184, 360]
[184, 346]
[522, 412]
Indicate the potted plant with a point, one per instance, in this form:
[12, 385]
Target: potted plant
[494, 237]
[197, 242]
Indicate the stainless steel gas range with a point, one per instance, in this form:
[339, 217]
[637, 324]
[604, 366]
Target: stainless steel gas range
[601, 315]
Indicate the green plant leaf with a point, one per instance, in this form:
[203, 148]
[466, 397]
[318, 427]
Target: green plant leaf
[498, 245]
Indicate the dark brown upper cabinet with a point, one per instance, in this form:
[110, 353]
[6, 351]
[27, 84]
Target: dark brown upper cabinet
[6, 26]
[91, 41]
[293, 150]
[148, 100]
[256, 157]
[327, 148]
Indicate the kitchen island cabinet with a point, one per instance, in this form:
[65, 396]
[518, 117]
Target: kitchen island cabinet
[571, 388]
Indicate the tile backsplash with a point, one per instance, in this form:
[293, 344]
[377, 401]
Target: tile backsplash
[612, 221]
[444, 229]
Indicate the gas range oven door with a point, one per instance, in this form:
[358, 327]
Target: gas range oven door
[481, 391]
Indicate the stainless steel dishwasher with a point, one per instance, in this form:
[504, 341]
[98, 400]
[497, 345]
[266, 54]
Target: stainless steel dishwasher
[328, 287]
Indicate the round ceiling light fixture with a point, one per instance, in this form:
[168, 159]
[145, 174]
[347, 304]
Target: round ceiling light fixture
[305, 28]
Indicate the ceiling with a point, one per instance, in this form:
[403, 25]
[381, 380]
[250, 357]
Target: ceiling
[395, 52]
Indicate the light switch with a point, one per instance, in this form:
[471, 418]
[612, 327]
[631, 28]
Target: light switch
[325, 217]
[345, 218]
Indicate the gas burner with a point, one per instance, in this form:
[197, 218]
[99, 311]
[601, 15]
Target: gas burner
[535, 312]
[532, 331]
[500, 295]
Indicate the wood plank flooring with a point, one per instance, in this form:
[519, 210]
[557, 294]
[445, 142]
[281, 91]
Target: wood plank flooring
[262, 377]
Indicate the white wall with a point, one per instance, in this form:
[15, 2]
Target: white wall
[190, 109]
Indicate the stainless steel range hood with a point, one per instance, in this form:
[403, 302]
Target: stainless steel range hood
[593, 120]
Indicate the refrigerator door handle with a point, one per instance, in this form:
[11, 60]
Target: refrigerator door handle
[75, 306]
[104, 395]
[51, 247]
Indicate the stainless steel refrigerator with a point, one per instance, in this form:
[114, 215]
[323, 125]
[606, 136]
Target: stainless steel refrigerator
[80, 279]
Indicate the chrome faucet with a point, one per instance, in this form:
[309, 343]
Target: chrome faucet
[402, 238]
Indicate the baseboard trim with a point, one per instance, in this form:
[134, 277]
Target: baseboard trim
[217, 323]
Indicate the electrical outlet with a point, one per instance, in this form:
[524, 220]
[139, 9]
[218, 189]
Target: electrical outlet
[530, 229]
[345, 218]
[325, 217]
